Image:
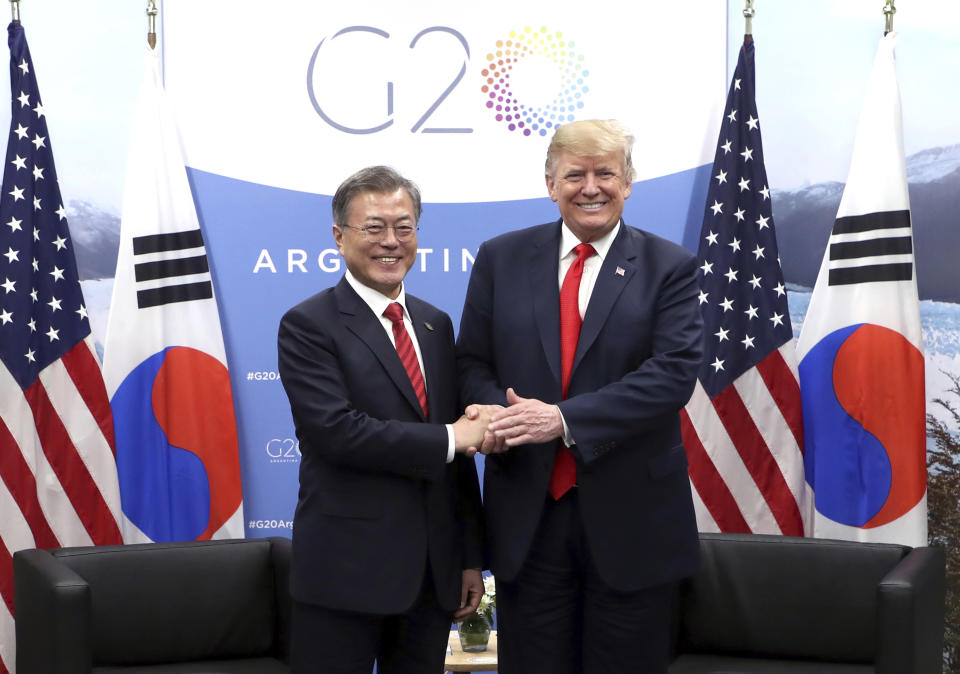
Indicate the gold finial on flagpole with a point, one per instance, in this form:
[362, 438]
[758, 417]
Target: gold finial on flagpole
[152, 12]
[748, 13]
[15, 10]
[888, 11]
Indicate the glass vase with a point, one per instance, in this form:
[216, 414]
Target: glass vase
[474, 633]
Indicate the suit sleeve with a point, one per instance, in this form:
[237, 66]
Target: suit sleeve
[475, 351]
[468, 505]
[646, 398]
[469, 512]
[326, 423]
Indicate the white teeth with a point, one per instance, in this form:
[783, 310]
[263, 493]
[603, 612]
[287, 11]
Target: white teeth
[591, 207]
[388, 259]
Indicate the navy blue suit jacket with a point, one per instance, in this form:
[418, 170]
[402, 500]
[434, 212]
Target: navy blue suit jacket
[636, 364]
[376, 494]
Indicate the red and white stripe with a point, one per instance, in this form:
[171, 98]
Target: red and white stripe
[58, 470]
[745, 452]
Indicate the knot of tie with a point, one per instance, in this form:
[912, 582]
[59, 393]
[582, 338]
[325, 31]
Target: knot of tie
[394, 312]
[583, 251]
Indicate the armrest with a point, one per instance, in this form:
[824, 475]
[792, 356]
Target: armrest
[911, 614]
[52, 605]
[281, 552]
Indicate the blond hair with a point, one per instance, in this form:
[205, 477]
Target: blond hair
[592, 138]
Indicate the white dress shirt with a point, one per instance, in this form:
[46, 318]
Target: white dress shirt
[378, 303]
[591, 266]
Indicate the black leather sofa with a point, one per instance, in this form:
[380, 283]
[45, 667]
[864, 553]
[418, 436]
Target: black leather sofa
[778, 604]
[216, 607]
[770, 604]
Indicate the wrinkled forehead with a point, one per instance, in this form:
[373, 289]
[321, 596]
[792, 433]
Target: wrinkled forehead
[390, 204]
[569, 161]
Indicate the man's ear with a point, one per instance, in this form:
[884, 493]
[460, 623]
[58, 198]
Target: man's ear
[338, 237]
[551, 187]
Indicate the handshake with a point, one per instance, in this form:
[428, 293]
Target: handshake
[492, 429]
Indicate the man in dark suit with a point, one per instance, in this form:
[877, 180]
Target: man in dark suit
[589, 512]
[387, 535]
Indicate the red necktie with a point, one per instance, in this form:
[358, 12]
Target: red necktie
[408, 356]
[564, 474]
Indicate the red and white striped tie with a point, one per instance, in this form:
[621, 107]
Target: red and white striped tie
[408, 356]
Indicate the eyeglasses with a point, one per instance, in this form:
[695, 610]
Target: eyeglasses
[377, 232]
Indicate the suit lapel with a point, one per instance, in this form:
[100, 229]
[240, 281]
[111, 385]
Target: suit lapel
[543, 266]
[359, 319]
[615, 272]
[427, 339]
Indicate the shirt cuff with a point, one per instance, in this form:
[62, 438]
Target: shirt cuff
[451, 443]
[567, 438]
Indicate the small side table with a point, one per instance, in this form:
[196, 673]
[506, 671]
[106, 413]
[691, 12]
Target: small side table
[484, 661]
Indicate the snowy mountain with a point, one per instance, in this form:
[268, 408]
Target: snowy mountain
[804, 218]
[96, 237]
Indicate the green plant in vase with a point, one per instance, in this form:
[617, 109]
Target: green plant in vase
[474, 630]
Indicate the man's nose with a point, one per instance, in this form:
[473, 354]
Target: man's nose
[590, 184]
[389, 237]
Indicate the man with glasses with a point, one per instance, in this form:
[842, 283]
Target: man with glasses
[387, 535]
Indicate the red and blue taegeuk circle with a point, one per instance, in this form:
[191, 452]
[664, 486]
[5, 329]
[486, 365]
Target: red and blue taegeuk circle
[176, 438]
[864, 427]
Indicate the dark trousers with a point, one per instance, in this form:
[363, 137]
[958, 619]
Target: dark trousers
[327, 641]
[559, 617]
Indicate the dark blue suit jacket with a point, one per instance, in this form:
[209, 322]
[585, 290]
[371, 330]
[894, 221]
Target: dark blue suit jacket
[635, 367]
[376, 494]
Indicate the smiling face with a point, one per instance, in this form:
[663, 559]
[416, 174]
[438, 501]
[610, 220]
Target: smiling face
[380, 265]
[590, 191]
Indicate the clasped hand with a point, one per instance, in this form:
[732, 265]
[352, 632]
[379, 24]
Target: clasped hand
[525, 421]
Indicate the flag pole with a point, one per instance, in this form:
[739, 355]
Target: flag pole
[152, 12]
[888, 11]
[15, 10]
[748, 13]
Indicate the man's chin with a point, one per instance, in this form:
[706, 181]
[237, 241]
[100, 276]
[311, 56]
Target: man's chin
[590, 229]
[388, 285]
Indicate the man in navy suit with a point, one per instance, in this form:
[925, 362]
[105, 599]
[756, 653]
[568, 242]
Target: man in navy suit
[388, 533]
[588, 331]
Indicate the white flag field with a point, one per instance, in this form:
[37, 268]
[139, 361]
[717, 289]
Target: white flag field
[861, 348]
[165, 367]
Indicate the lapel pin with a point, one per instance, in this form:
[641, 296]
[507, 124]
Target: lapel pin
[428, 326]
[620, 271]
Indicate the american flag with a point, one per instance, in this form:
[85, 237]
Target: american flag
[743, 427]
[58, 473]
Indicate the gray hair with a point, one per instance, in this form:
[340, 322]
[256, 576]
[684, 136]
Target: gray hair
[378, 179]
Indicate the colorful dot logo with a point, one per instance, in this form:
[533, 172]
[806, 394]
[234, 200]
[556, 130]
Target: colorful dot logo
[521, 51]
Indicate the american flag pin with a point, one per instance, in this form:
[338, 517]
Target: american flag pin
[620, 271]
[428, 326]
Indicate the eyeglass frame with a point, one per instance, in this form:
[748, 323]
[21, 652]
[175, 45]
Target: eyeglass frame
[374, 238]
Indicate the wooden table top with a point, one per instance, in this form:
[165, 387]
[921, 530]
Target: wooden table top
[484, 661]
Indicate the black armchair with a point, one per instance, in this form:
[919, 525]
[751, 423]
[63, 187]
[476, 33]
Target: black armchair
[217, 607]
[778, 604]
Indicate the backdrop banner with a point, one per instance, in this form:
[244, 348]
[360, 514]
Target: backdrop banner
[276, 109]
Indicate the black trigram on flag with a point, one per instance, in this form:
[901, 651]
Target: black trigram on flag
[874, 252]
[168, 266]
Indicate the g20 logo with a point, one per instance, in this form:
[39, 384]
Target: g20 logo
[562, 61]
[547, 66]
[283, 450]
